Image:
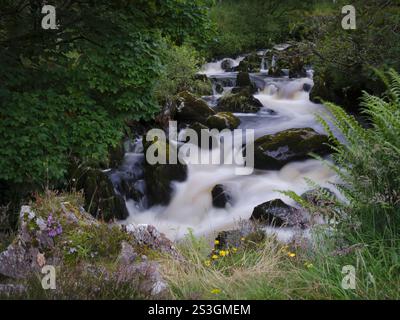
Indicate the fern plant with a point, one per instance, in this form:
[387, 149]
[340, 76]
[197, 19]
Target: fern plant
[368, 161]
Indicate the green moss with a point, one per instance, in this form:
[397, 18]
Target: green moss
[273, 151]
[223, 120]
[242, 101]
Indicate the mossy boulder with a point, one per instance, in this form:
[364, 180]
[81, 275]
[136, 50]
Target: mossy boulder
[272, 152]
[223, 120]
[159, 176]
[244, 83]
[101, 199]
[276, 213]
[242, 102]
[189, 108]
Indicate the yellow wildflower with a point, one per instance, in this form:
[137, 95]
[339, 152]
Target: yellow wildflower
[214, 257]
[216, 242]
[222, 253]
[242, 239]
[215, 291]
[234, 249]
[291, 254]
[207, 263]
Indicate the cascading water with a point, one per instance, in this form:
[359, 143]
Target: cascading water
[286, 105]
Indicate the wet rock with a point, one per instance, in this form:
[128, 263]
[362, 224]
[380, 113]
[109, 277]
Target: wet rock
[189, 108]
[223, 120]
[227, 65]
[244, 84]
[276, 213]
[159, 177]
[221, 196]
[307, 87]
[272, 152]
[239, 102]
[243, 79]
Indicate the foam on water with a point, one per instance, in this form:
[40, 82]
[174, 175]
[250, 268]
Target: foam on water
[191, 205]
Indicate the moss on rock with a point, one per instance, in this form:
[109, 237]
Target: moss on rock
[223, 120]
[189, 108]
[272, 152]
[242, 101]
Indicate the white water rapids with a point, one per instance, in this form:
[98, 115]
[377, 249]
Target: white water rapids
[191, 205]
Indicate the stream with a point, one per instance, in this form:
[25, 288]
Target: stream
[286, 105]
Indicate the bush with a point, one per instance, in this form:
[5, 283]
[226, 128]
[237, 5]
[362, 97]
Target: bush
[256, 24]
[67, 93]
[181, 63]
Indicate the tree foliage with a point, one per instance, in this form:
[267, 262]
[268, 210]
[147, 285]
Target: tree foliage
[66, 93]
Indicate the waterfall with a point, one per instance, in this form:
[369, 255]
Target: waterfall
[286, 105]
[273, 62]
[264, 66]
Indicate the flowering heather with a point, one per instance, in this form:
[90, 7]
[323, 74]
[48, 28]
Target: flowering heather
[54, 228]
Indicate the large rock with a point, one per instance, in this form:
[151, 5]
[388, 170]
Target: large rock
[244, 83]
[246, 233]
[223, 120]
[23, 256]
[227, 64]
[221, 196]
[102, 200]
[272, 152]
[159, 177]
[148, 236]
[189, 108]
[242, 102]
[251, 63]
[276, 213]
